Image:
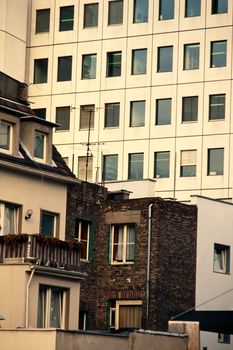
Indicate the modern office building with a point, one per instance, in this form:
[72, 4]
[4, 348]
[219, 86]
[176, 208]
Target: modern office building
[142, 91]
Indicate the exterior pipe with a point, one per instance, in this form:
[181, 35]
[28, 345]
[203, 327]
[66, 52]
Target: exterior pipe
[27, 296]
[148, 264]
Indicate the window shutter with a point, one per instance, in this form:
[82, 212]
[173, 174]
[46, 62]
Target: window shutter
[188, 157]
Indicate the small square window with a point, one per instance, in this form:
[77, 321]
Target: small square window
[115, 12]
[40, 112]
[224, 338]
[63, 118]
[85, 168]
[39, 146]
[48, 224]
[218, 54]
[190, 109]
[188, 161]
[89, 66]
[163, 111]
[217, 107]
[87, 115]
[219, 6]
[66, 18]
[166, 9]
[191, 56]
[114, 64]
[221, 258]
[5, 135]
[123, 244]
[83, 233]
[137, 113]
[135, 167]
[42, 20]
[139, 60]
[64, 69]
[165, 59]
[112, 115]
[215, 161]
[40, 71]
[110, 167]
[140, 12]
[161, 164]
[91, 15]
[192, 8]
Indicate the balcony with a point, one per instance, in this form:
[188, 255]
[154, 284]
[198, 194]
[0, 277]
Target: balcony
[44, 251]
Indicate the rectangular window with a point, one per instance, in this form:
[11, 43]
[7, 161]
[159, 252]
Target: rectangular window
[166, 9]
[63, 118]
[139, 61]
[115, 12]
[165, 59]
[135, 167]
[192, 8]
[221, 258]
[83, 236]
[39, 145]
[112, 115]
[52, 307]
[91, 15]
[190, 109]
[5, 135]
[89, 66]
[219, 6]
[125, 314]
[40, 112]
[137, 113]
[42, 20]
[48, 224]
[163, 111]
[224, 338]
[40, 71]
[191, 56]
[217, 107]
[218, 53]
[66, 18]
[8, 219]
[85, 168]
[140, 12]
[64, 69]
[87, 115]
[188, 161]
[114, 64]
[161, 164]
[215, 161]
[123, 243]
[110, 167]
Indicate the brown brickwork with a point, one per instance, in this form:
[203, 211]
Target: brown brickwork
[173, 255]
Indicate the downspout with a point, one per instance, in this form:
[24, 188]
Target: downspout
[33, 268]
[148, 264]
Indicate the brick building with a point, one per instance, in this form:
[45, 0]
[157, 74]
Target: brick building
[119, 291]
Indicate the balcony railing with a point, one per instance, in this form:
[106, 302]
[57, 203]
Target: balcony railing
[44, 251]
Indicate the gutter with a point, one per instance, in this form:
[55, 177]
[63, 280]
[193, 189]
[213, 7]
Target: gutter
[148, 263]
[39, 172]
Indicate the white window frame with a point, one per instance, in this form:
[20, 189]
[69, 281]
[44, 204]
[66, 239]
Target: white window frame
[79, 231]
[124, 243]
[116, 310]
[47, 307]
[8, 150]
[2, 218]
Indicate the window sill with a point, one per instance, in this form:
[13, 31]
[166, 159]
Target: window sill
[222, 272]
[216, 120]
[122, 263]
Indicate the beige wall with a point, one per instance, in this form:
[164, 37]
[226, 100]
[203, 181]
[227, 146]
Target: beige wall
[36, 193]
[14, 279]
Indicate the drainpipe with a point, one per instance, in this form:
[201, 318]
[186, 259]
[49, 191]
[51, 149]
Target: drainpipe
[33, 268]
[148, 263]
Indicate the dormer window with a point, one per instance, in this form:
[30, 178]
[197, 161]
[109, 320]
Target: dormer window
[5, 135]
[39, 148]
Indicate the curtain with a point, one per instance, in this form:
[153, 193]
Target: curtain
[118, 243]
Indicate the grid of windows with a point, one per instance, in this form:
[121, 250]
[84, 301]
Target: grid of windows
[215, 161]
[165, 59]
[114, 64]
[135, 166]
[112, 115]
[91, 12]
[217, 107]
[140, 13]
[166, 9]
[218, 54]
[161, 164]
[163, 111]
[66, 18]
[42, 20]
[139, 60]
[63, 118]
[89, 66]
[64, 68]
[219, 6]
[192, 8]
[190, 109]
[188, 160]
[137, 113]
[191, 56]
[115, 12]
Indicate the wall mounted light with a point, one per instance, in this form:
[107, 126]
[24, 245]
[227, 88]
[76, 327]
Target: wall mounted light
[28, 214]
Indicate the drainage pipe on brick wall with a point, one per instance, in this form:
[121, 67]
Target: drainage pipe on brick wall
[148, 263]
